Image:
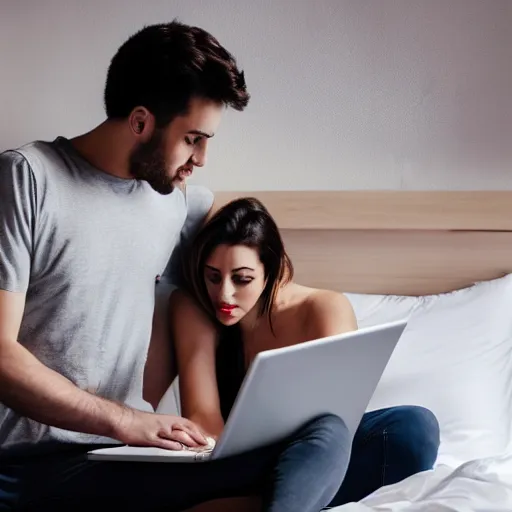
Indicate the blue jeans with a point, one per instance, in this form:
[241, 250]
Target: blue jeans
[389, 445]
[317, 467]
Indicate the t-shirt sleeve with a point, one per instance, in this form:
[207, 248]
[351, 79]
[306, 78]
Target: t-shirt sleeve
[17, 207]
[199, 202]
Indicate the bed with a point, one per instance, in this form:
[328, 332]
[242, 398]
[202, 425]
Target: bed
[444, 259]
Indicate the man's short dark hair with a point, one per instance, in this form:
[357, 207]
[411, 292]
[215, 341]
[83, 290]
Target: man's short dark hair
[162, 67]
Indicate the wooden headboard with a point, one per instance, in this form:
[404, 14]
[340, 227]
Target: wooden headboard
[392, 242]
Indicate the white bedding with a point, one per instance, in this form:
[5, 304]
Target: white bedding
[482, 485]
[456, 359]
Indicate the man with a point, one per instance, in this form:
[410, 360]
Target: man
[87, 225]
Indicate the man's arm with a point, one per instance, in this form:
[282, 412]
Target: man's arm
[26, 385]
[29, 387]
[34, 390]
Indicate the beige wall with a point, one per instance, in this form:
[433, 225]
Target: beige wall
[347, 94]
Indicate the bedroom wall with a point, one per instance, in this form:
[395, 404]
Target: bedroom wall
[347, 94]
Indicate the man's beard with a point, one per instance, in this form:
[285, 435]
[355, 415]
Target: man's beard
[147, 162]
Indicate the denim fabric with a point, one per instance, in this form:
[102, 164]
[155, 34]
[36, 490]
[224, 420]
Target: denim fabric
[317, 467]
[389, 445]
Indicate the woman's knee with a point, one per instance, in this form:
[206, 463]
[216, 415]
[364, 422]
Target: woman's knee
[329, 431]
[328, 424]
[414, 433]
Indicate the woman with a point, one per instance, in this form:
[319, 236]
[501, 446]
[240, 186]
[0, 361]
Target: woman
[241, 299]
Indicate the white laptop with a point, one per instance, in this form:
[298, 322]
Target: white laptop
[286, 387]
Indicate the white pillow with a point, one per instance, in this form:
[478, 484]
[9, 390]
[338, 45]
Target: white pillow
[455, 358]
[379, 309]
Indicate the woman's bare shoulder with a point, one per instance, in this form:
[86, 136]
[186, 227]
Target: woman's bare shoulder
[327, 312]
[320, 296]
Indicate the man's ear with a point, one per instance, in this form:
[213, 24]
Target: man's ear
[142, 122]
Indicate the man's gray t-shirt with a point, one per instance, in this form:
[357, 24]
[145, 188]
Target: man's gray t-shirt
[86, 247]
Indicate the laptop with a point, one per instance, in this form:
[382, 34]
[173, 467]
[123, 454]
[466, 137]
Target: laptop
[286, 387]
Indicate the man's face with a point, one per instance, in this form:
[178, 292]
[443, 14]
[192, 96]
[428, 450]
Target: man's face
[171, 153]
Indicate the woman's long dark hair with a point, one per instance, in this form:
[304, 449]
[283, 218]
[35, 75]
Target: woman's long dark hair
[244, 221]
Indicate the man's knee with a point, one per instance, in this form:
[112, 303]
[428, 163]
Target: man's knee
[414, 435]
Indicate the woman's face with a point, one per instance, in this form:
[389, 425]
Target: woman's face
[235, 279]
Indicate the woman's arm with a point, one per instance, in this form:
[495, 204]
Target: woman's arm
[195, 340]
[329, 313]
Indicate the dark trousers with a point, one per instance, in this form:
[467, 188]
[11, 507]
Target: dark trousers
[317, 467]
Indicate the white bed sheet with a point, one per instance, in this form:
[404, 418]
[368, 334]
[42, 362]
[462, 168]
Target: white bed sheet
[482, 485]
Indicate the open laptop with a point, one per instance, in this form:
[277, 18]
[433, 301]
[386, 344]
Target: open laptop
[286, 387]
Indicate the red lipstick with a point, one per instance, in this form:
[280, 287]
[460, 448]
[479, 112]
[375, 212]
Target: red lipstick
[227, 308]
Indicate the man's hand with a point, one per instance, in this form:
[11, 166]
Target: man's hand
[138, 428]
